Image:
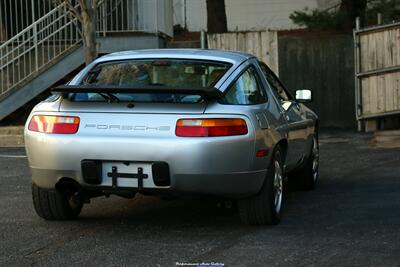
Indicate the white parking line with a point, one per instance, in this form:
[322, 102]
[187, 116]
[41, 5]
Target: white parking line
[13, 156]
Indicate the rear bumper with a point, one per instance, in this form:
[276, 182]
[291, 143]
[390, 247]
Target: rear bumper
[214, 166]
[234, 185]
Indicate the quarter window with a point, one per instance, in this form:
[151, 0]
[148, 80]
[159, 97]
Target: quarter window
[275, 84]
[246, 90]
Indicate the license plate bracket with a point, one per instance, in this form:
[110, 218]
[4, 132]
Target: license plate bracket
[127, 174]
[114, 174]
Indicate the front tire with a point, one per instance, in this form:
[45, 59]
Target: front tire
[265, 208]
[55, 205]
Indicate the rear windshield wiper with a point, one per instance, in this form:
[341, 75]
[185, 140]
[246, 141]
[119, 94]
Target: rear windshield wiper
[109, 97]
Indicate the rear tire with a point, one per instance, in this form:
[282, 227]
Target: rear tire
[307, 177]
[265, 208]
[55, 205]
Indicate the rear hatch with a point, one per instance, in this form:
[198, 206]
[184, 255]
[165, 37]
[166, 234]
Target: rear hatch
[143, 97]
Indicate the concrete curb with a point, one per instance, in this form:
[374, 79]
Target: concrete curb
[12, 136]
[12, 130]
[386, 139]
[11, 140]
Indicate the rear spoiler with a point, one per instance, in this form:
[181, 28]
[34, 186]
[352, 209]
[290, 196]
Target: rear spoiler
[207, 92]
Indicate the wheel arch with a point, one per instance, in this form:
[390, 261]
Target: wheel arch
[316, 125]
[283, 145]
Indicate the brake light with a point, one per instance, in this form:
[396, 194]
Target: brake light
[54, 124]
[210, 127]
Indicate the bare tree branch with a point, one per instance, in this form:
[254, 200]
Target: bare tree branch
[71, 9]
[74, 10]
[86, 12]
[83, 5]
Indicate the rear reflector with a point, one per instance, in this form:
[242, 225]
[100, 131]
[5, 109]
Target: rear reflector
[262, 153]
[210, 127]
[54, 124]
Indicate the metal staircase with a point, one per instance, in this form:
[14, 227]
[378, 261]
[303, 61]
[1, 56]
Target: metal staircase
[34, 50]
[50, 48]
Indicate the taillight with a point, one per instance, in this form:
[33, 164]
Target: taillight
[210, 127]
[54, 124]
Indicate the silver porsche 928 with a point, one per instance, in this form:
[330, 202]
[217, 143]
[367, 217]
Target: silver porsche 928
[172, 122]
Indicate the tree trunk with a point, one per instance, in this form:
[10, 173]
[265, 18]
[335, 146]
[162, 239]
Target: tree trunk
[3, 34]
[216, 16]
[89, 22]
[349, 10]
[3, 31]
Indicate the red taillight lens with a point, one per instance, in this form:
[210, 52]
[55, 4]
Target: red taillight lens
[54, 124]
[210, 127]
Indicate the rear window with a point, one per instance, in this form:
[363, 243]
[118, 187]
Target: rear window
[170, 73]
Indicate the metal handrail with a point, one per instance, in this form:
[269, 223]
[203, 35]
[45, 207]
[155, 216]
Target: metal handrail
[56, 32]
[57, 8]
[28, 49]
[38, 45]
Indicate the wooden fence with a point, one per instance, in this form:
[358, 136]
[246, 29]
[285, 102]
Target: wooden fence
[324, 64]
[377, 67]
[305, 60]
[262, 44]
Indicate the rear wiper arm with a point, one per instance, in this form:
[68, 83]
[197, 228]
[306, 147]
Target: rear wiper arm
[109, 97]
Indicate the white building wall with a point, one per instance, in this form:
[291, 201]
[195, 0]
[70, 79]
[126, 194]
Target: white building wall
[245, 15]
[325, 4]
[195, 12]
[156, 15]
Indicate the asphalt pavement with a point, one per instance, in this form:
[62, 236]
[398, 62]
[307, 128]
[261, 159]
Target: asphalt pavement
[352, 219]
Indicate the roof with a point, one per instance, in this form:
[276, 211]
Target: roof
[232, 57]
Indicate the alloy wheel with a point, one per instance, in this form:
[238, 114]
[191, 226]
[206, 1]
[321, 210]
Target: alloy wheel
[278, 186]
[315, 157]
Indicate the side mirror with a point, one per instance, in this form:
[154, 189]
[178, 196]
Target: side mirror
[304, 96]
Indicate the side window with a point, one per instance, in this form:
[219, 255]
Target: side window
[246, 90]
[275, 84]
